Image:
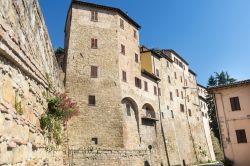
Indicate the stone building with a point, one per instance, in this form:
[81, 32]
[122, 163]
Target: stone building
[233, 114]
[138, 105]
[204, 111]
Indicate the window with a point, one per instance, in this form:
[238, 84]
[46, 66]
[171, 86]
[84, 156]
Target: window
[136, 58]
[171, 96]
[182, 94]
[94, 72]
[138, 82]
[92, 100]
[162, 114]
[188, 98]
[235, 103]
[182, 107]
[175, 75]
[241, 136]
[172, 114]
[181, 78]
[94, 16]
[124, 76]
[122, 23]
[189, 112]
[159, 91]
[128, 109]
[155, 90]
[167, 64]
[177, 93]
[169, 80]
[122, 49]
[93, 43]
[145, 86]
[157, 73]
[185, 82]
[94, 140]
[135, 34]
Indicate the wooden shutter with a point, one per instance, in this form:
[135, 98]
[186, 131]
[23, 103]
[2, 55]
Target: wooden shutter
[94, 71]
[92, 100]
[124, 76]
[235, 103]
[155, 90]
[136, 58]
[241, 136]
[145, 86]
[171, 96]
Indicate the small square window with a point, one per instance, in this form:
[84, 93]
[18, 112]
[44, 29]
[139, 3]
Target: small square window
[145, 86]
[159, 91]
[172, 114]
[122, 49]
[182, 107]
[94, 43]
[169, 80]
[94, 72]
[135, 34]
[136, 58]
[235, 103]
[92, 101]
[171, 96]
[94, 16]
[121, 23]
[94, 140]
[155, 90]
[124, 76]
[157, 73]
[241, 136]
[189, 112]
[138, 82]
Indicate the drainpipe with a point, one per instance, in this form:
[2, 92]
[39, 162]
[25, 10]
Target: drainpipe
[162, 130]
[192, 138]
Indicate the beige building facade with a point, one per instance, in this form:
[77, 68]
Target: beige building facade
[233, 115]
[204, 112]
[140, 105]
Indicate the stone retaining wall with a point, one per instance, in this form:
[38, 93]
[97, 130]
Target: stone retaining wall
[26, 57]
[108, 157]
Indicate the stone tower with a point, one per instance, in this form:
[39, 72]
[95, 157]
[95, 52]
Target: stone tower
[123, 90]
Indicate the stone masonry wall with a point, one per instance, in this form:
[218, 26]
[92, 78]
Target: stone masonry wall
[26, 57]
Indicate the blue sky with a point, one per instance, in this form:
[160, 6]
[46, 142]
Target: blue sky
[211, 35]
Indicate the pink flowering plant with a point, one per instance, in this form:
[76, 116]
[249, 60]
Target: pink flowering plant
[61, 109]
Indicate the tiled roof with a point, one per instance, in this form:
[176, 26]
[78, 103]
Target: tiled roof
[108, 8]
[234, 84]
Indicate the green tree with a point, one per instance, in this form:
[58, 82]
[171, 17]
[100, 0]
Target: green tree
[217, 79]
[59, 50]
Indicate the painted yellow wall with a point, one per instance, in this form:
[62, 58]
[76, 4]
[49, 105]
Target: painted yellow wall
[146, 62]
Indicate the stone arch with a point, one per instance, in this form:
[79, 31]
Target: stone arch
[148, 111]
[148, 125]
[131, 132]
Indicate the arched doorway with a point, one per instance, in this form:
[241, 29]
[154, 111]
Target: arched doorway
[148, 125]
[131, 134]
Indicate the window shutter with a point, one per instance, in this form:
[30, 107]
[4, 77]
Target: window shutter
[124, 76]
[94, 71]
[92, 15]
[96, 16]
